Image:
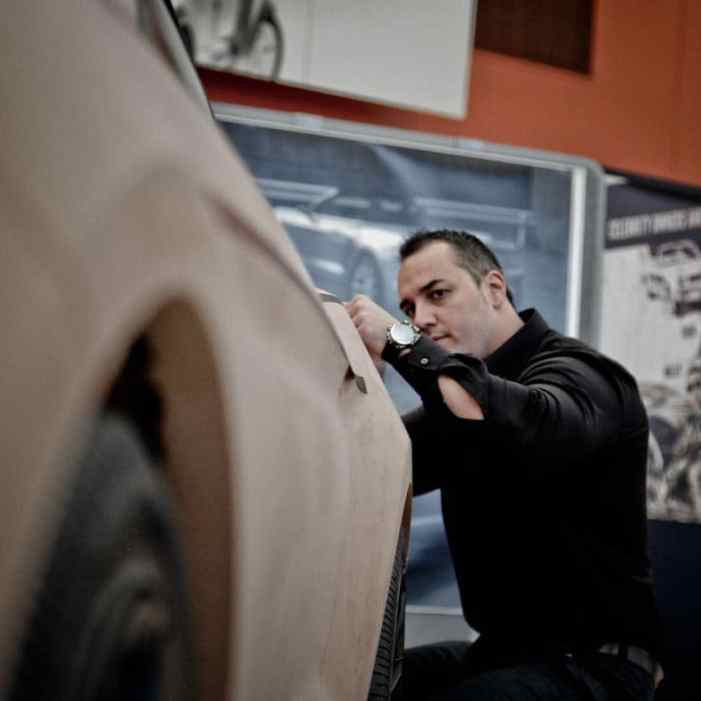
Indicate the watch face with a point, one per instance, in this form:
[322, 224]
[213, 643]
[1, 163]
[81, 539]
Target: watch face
[403, 334]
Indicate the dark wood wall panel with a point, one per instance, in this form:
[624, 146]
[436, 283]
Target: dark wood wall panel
[556, 32]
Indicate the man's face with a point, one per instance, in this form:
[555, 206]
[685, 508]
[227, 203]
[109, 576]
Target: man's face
[444, 301]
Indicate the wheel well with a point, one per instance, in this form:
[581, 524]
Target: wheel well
[134, 395]
[169, 388]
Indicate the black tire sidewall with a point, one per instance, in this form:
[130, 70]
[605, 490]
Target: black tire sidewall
[119, 515]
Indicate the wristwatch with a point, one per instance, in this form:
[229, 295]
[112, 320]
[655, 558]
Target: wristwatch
[403, 336]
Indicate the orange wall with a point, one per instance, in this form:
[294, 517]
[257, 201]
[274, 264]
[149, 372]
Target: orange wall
[638, 110]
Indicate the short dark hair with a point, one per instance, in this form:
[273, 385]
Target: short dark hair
[471, 254]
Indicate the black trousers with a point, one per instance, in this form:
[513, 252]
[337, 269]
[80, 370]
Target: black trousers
[457, 671]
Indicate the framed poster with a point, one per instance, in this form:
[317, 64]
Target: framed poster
[348, 195]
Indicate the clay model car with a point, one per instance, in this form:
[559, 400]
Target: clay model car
[205, 486]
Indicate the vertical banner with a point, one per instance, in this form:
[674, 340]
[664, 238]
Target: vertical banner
[651, 322]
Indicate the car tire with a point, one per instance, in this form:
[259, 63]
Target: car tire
[366, 278]
[387, 671]
[111, 619]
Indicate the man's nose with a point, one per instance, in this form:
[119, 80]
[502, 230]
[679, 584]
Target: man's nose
[424, 317]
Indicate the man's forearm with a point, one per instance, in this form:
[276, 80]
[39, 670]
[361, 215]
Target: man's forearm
[458, 400]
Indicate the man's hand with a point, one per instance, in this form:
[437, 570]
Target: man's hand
[372, 322]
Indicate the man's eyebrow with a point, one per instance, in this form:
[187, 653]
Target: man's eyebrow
[431, 284]
[428, 286]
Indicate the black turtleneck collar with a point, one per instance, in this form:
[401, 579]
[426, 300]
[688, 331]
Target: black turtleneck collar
[512, 357]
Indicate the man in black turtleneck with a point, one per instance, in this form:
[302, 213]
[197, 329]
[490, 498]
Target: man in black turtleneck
[538, 444]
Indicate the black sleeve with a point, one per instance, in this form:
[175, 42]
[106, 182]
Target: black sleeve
[426, 361]
[429, 464]
[563, 406]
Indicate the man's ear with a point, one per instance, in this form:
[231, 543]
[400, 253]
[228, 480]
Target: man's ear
[496, 288]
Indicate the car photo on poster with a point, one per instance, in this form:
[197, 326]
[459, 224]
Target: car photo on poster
[350, 244]
[347, 242]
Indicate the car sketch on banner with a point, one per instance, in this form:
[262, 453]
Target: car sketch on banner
[652, 324]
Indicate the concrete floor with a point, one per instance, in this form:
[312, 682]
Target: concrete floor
[426, 625]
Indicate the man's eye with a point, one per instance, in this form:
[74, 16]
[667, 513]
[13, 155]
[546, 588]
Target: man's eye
[437, 294]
